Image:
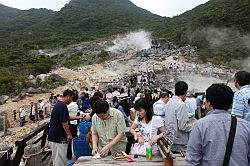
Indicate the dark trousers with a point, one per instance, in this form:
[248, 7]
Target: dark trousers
[73, 129]
[130, 140]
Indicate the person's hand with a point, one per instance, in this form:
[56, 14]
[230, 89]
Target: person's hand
[154, 140]
[81, 116]
[140, 140]
[69, 138]
[88, 118]
[94, 151]
[137, 135]
[104, 151]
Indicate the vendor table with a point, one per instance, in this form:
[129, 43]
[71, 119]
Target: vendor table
[108, 161]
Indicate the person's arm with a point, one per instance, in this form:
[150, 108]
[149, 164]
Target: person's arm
[183, 120]
[118, 138]
[65, 126]
[194, 148]
[155, 138]
[132, 129]
[120, 108]
[95, 139]
[137, 135]
[238, 105]
[76, 117]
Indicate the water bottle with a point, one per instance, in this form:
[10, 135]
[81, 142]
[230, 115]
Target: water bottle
[148, 151]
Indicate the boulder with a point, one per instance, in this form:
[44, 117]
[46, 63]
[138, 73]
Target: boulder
[42, 77]
[33, 90]
[57, 78]
[31, 77]
[3, 99]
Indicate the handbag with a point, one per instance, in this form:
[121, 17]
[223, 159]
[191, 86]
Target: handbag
[163, 145]
[230, 141]
[140, 149]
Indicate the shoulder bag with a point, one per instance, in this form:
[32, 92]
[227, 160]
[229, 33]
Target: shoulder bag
[230, 141]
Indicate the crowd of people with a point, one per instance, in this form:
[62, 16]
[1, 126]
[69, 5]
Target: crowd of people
[150, 115]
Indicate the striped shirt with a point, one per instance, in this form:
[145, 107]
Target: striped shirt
[208, 140]
[241, 106]
[108, 129]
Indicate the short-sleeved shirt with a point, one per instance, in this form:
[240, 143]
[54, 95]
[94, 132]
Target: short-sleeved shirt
[73, 109]
[59, 115]
[241, 106]
[108, 129]
[145, 128]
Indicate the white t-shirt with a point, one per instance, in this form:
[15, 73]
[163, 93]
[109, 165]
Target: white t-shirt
[145, 129]
[22, 112]
[73, 109]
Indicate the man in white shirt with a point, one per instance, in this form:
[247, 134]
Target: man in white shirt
[22, 115]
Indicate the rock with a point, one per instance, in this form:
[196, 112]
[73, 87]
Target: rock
[42, 77]
[57, 78]
[16, 99]
[33, 90]
[31, 77]
[3, 99]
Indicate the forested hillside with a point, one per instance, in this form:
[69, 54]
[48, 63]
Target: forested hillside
[219, 28]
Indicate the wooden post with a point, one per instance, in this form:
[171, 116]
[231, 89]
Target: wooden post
[33, 155]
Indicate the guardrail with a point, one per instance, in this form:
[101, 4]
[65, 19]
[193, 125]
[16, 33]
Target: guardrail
[5, 156]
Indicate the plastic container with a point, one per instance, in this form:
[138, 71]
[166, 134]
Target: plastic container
[81, 148]
[148, 152]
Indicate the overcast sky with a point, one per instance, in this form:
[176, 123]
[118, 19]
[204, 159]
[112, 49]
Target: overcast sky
[167, 8]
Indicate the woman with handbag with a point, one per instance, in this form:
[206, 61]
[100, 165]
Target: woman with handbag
[148, 125]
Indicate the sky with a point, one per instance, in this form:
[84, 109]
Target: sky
[168, 8]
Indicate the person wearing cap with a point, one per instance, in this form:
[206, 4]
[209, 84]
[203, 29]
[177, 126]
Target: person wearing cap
[159, 105]
[241, 102]
[209, 136]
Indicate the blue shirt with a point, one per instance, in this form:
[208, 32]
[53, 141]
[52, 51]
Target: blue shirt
[240, 103]
[208, 139]
[59, 115]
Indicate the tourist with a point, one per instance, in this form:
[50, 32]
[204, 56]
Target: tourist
[148, 124]
[32, 112]
[209, 136]
[116, 93]
[14, 114]
[159, 105]
[241, 106]
[41, 108]
[109, 96]
[177, 121]
[108, 129]
[59, 132]
[73, 112]
[192, 105]
[22, 115]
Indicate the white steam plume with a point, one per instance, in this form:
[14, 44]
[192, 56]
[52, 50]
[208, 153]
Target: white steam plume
[218, 36]
[135, 40]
